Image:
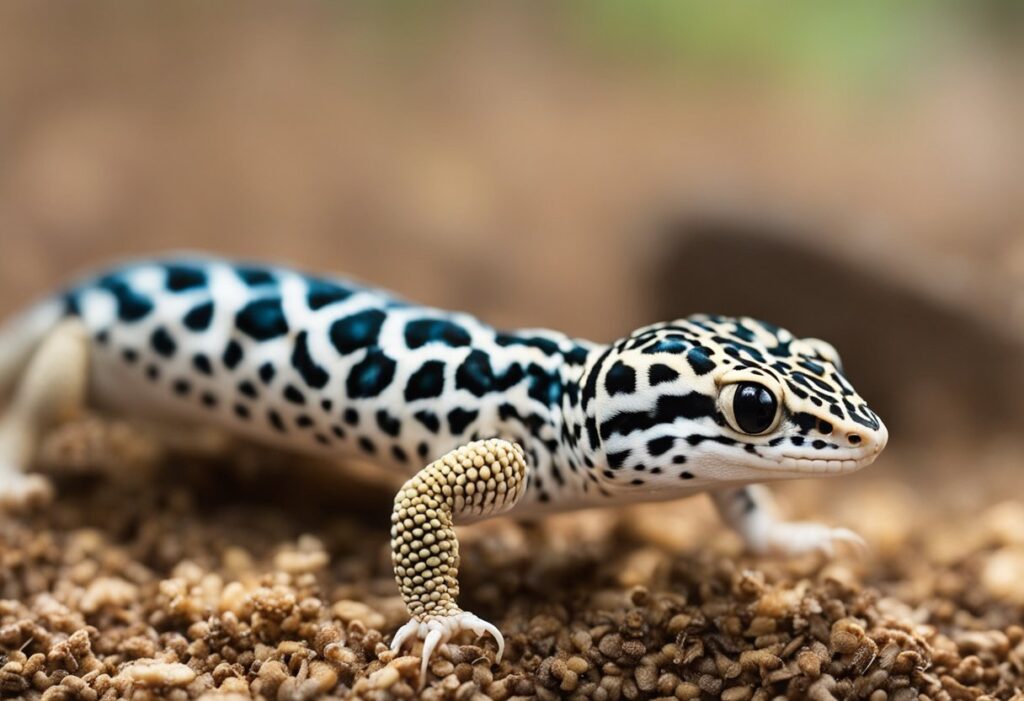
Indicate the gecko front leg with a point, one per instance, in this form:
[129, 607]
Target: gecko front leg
[476, 480]
[750, 511]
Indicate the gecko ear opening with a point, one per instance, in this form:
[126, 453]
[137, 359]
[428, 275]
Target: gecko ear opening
[825, 351]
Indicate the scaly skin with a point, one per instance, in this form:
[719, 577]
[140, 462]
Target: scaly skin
[474, 481]
[700, 404]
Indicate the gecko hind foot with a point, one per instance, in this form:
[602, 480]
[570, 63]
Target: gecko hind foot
[438, 630]
[19, 492]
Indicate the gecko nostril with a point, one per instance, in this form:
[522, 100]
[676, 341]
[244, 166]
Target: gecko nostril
[854, 438]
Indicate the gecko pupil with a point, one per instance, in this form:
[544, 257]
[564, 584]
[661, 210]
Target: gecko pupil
[754, 407]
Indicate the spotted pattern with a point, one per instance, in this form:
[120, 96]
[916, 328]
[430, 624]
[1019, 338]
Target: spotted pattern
[323, 364]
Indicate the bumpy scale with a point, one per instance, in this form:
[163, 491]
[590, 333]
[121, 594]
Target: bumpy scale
[480, 479]
[705, 403]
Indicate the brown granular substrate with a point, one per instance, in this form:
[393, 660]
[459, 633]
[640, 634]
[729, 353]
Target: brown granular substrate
[206, 581]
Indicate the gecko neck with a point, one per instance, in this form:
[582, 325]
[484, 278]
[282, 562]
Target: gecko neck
[559, 438]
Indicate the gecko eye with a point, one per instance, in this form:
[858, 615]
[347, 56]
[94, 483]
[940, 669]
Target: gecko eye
[752, 409]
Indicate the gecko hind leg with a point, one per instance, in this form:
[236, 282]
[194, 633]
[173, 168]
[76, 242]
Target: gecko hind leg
[51, 390]
[479, 479]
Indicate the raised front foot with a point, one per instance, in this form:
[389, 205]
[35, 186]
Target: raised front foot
[749, 510]
[439, 630]
[799, 538]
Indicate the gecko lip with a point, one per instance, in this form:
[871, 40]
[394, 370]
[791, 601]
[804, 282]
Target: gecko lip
[848, 462]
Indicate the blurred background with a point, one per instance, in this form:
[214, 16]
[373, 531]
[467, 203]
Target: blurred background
[852, 171]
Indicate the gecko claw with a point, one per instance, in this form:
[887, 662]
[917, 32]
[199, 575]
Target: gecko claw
[845, 536]
[436, 633]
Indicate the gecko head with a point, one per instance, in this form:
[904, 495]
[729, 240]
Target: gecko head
[727, 399]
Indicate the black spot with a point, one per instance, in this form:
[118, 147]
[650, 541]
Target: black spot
[423, 331]
[202, 364]
[267, 372]
[313, 375]
[426, 382]
[476, 376]
[660, 446]
[103, 337]
[811, 366]
[659, 373]
[184, 277]
[819, 444]
[459, 419]
[276, 421]
[182, 387]
[592, 431]
[693, 405]
[248, 389]
[162, 342]
[545, 386]
[388, 423]
[232, 355]
[669, 344]
[326, 404]
[71, 304]
[304, 421]
[152, 372]
[359, 330]
[322, 292]
[367, 445]
[294, 395]
[429, 420]
[130, 355]
[262, 319]
[423, 450]
[621, 379]
[804, 421]
[321, 439]
[699, 361]
[131, 305]
[371, 375]
[697, 439]
[199, 317]
[241, 411]
[686, 475]
[544, 345]
[254, 276]
[351, 417]
[399, 454]
[590, 386]
[636, 482]
[679, 459]
[617, 460]
[209, 400]
[338, 431]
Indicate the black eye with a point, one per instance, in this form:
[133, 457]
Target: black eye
[754, 408]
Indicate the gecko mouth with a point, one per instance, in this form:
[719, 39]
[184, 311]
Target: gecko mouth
[831, 465]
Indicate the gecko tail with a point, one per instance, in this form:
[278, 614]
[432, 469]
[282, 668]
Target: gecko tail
[19, 338]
